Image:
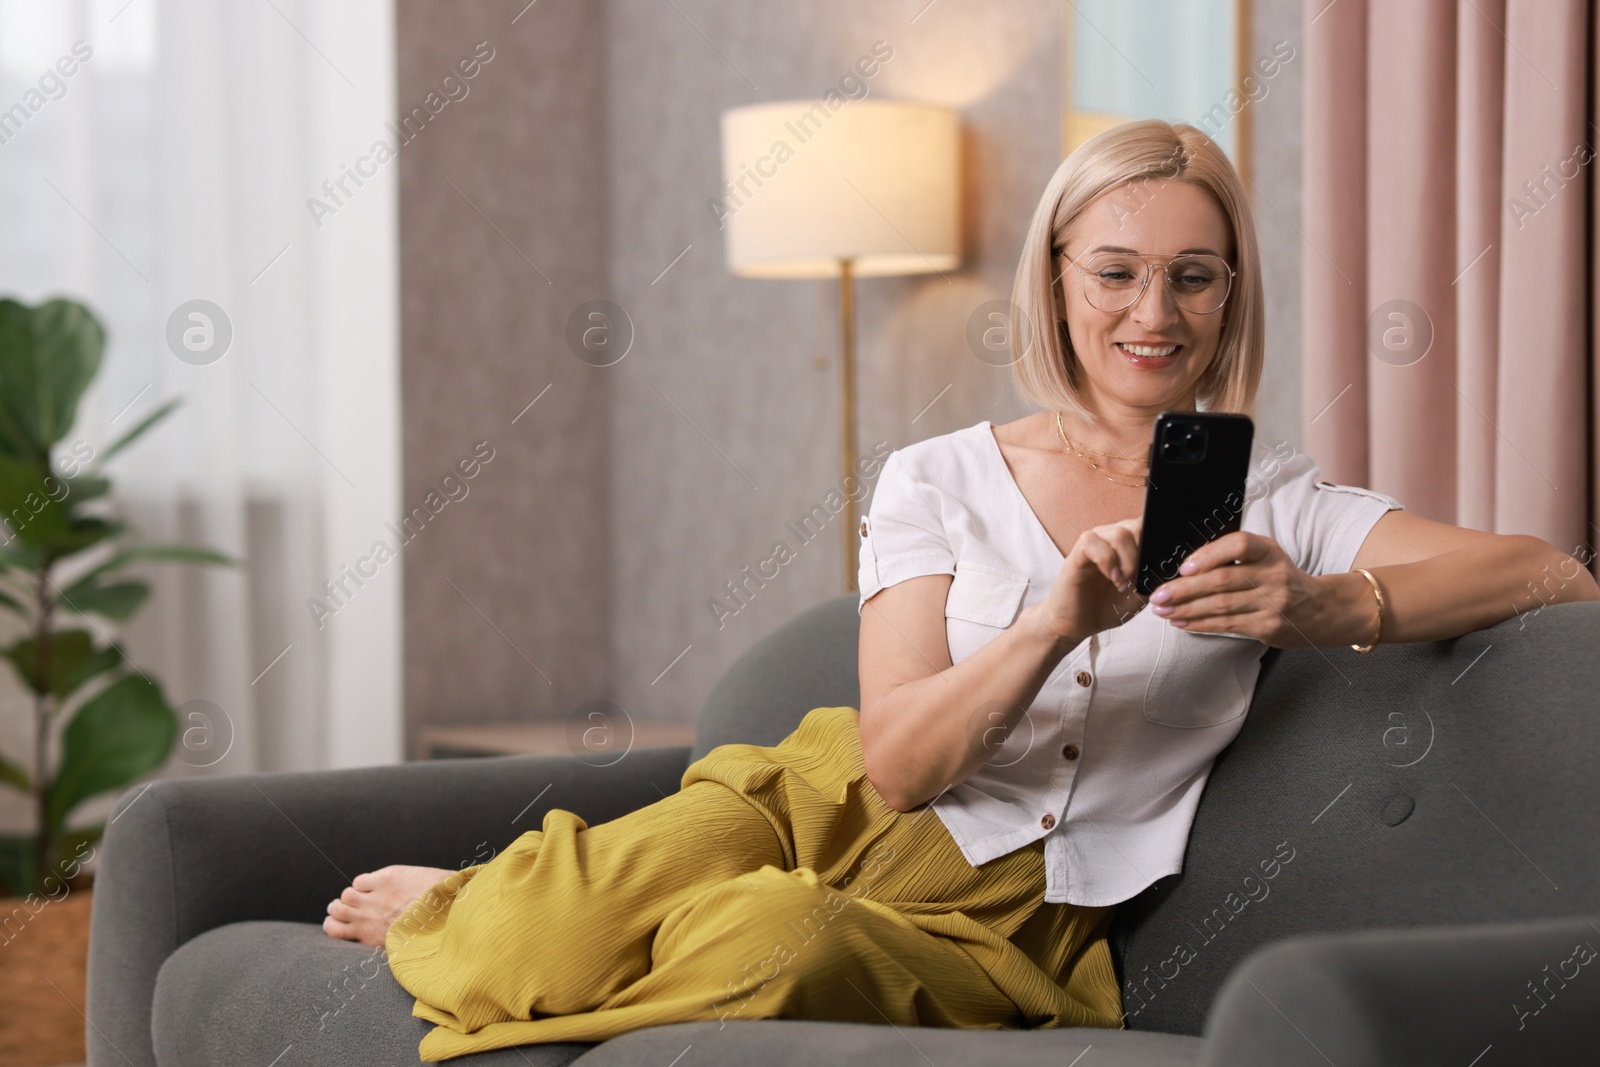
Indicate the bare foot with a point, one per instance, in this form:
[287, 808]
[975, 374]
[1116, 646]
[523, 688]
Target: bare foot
[364, 911]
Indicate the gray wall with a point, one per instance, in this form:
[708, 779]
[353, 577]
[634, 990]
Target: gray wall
[506, 588]
[621, 504]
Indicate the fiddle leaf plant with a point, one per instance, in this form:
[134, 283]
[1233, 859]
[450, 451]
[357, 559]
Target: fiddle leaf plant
[63, 551]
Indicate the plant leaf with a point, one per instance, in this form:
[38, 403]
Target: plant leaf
[83, 488]
[134, 434]
[66, 850]
[13, 442]
[48, 356]
[69, 650]
[26, 501]
[21, 557]
[116, 600]
[15, 336]
[79, 535]
[161, 553]
[105, 659]
[16, 863]
[17, 874]
[14, 604]
[122, 732]
[15, 776]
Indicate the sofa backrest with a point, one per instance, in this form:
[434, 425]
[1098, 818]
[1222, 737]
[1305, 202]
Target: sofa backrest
[808, 662]
[1419, 784]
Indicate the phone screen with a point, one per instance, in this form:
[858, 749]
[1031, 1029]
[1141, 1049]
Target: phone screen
[1196, 489]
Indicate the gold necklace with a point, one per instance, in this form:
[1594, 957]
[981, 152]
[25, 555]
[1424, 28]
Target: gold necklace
[1081, 448]
[1142, 475]
[1097, 452]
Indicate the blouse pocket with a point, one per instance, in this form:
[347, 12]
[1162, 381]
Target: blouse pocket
[981, 603]
[1196, 678]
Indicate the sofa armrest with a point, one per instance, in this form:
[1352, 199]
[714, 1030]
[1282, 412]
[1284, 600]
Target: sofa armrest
[1413, 997]
[183, 856]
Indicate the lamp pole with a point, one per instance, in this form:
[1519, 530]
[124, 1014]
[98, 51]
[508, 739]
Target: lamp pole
[847, 409]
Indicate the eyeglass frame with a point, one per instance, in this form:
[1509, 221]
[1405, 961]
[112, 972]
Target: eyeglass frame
[1148, 273]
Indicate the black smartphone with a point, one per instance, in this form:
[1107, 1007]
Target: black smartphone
[1196, 490]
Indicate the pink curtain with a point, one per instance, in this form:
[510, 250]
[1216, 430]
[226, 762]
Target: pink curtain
[1449, 268]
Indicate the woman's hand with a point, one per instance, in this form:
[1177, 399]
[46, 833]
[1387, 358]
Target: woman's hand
[1244, 583]
[1093, 591]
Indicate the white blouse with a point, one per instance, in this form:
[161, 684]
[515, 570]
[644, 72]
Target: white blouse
[1110, 760]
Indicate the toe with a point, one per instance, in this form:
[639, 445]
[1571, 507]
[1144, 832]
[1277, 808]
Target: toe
[351, 896]
[368, 880]
[342, 912]
[334, 928]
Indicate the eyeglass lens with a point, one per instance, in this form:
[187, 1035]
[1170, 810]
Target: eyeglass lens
[1198, 283]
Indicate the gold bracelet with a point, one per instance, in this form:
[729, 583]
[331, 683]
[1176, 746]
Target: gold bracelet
[1379, 592]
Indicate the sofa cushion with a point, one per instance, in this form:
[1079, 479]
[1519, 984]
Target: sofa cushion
[250, 991]
[795, 1043]
[1430, 783]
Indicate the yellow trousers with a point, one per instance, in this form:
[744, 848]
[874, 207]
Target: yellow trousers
[776, 883]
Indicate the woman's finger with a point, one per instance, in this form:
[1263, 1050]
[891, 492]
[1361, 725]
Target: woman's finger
[1127, 546]
[1124, 550]
[1099, 552]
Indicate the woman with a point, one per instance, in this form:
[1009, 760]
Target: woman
[1011, 681]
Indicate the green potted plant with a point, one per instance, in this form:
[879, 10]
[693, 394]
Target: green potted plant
[62, 551]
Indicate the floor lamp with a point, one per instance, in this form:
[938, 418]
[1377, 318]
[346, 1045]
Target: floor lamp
[846, 189]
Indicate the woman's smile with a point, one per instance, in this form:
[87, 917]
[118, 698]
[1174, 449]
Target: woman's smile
[1153, 355]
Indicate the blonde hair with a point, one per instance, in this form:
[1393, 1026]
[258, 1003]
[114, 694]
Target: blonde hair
[1048, 372]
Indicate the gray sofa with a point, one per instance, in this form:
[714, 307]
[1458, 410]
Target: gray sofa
[1394, 863]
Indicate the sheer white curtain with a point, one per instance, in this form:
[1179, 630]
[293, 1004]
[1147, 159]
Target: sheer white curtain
[175, 164]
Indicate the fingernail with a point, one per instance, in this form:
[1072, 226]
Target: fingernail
[1161, 596]
[1163, 609]
[1188, 567]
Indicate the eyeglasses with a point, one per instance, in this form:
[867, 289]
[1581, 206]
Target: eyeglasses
[1113, 281]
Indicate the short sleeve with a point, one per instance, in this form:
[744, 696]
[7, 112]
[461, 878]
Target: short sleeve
[1322, 524]
[902, 536]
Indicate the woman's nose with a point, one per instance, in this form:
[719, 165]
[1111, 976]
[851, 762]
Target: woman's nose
[1156, 307]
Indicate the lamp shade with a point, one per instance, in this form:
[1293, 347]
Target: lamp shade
[810, 182]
